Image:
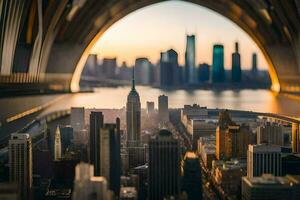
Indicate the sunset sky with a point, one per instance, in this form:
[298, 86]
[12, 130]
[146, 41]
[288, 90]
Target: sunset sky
[159, 27]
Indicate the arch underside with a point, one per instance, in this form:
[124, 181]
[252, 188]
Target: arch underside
[273, 26]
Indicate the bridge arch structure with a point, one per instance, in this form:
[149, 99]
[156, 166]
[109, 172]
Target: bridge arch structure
[45, 43]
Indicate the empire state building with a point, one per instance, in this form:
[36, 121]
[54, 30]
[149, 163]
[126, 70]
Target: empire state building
[133, 114]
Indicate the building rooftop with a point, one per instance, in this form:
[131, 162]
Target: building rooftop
[269, 179]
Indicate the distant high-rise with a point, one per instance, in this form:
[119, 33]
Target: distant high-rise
[190, 60]
[263, 159]
[20, 162]
[270, 133]
[109, 66]
[57, 144]
[203, 72]
[254, 63]
[223, 123]
[143, 71]
[191, 180]
[164, 171]
[150, 107]
[77, 118]
[110, 160]
[236, 72]
[96, 123]
[87, 186]
[218, 72]
[133, 114]
[163, 108]
[169, 70]
[66, 133]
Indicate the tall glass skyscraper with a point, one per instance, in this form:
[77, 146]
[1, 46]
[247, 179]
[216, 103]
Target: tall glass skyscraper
[190, 57]
[236, 72]
[218, 72]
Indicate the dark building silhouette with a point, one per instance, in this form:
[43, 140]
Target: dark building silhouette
[290, 164]
[254, 63]
[203, 72]
[143, 71]
[66, 133]
[218, 72]
[164, 161]
[190, 60]
[169, 72]
[236, 72]
[191, 176]
[96, 123]
[109, 66]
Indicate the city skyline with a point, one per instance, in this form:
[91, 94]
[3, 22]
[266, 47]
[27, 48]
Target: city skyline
[141, 42]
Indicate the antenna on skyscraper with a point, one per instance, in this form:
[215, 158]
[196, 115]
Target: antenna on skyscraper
[133, 81]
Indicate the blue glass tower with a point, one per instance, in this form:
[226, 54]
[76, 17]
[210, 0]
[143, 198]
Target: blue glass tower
[236, 72]
[190, 57]
[218, 72]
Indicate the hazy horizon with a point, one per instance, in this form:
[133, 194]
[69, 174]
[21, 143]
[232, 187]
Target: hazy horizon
[148, 31]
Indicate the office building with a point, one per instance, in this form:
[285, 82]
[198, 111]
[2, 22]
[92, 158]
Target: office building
[295, 138]
[96, 123]
[218, 72]
[227, 175]
[133, 114]
[77, 118]
[207, 150]
[137, 155]
[290, 163]
[267, 187]
[143, 71]
[203, 72]
[109, 66]
[190, 60]
[57, 144]
[271, 133]
[150, 107]
[164, 162]
[190, 112]
[89, 187]
[169, 70]
[20, 162]
[223, 123]
[254, 64]
[66, 133]
[236, 71]
[191, 176]
[237, 139]
[263, 159]
[163, 108]
[110, 160]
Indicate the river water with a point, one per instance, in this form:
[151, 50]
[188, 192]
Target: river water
[252, 100]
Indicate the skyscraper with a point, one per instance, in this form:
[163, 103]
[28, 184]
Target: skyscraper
[163, 108]
[295, 138]
[150, 107]
[164, 161]
[133, 114]
[203, 72]
[263, 159]
[218, 72]
[87, 186]
[272, 133]
[190, 60]
[96, 123]
[143, 71]
[57, 144]
[20, 162]
[169, 70]
[254, 63]
[236, 72]
[191, 172]
[77, 118]
[110, 160]
[223, 123]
